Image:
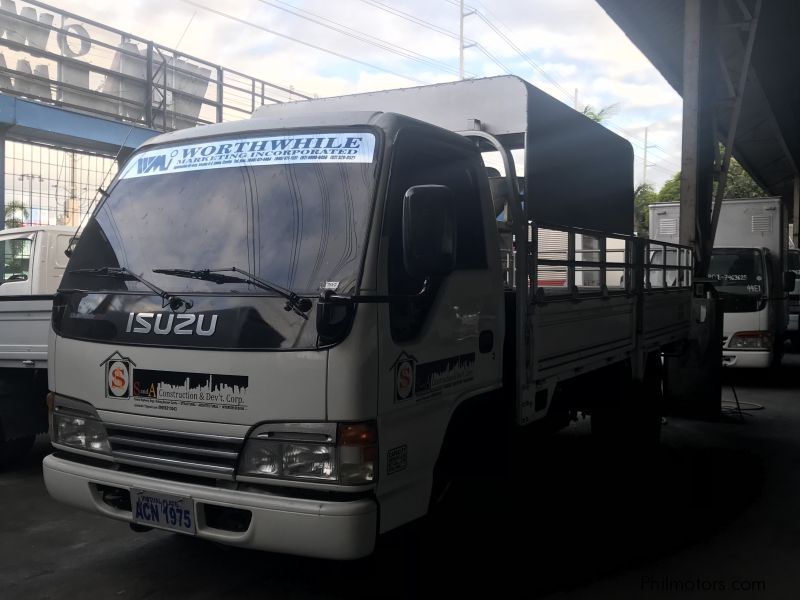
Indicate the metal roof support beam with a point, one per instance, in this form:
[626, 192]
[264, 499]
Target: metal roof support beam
[697, 155]
[734, 122]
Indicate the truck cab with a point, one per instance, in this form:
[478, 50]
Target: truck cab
[286, 333]
[744, 278]
[793, 329]
[32, 266]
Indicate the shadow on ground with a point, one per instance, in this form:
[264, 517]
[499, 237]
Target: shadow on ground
[570, 516]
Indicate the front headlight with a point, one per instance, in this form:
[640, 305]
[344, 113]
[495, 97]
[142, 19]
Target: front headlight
[289, 460]
[751, 340]
[324, 452]
[79, 431]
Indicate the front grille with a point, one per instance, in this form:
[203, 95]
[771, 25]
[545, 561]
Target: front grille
[188, 453]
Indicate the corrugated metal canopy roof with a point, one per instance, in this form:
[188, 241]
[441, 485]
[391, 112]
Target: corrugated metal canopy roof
[768, 136]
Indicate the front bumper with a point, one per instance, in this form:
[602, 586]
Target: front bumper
[318, 528]
[747, 359]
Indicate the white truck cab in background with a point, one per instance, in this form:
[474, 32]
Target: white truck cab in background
[749, 266]
[32, 266]
[793, 330]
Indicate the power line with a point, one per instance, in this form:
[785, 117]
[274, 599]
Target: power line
[414, 19]
[545, 74]
[358, 35]
[438, 29]
[299, 41]
[516, 48]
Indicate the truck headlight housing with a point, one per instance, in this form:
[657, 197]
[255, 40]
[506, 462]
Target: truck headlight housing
[750, 340]
[345, 453]
[78, 428]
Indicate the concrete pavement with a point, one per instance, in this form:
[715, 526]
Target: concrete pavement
[717, 508]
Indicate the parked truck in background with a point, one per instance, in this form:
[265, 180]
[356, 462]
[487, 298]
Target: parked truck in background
[793, 329]
[290, 333]
[749, 267]
[33, 263]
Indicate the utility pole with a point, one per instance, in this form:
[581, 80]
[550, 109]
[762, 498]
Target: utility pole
[461, 39]
[461, 44]
[576, 99]
[646, 164]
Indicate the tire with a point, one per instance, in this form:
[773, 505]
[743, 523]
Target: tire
[13, 451]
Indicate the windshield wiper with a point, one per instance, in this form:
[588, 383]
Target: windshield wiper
[174, 302]
[294, 303]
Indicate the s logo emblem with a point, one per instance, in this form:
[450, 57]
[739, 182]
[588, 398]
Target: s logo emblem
[118, 379]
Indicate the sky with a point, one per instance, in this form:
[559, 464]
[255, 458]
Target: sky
[565, 47]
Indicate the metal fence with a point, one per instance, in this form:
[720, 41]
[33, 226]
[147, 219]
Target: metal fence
[51, 186]
[57, 57]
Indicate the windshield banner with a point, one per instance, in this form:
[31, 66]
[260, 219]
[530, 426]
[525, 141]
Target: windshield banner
[354, 147]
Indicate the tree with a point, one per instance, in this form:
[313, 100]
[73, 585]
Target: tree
[671, 190]
[643, 197]
[14, 260]
[15, 214]
[738, 185]
[598, 116]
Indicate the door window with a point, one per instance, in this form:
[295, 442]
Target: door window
[422, 161]
[16, 254]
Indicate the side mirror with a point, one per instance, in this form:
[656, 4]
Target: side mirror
[333, 319]
[789, 280]
[429, 230]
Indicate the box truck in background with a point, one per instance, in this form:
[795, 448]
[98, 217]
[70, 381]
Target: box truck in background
[749, 266]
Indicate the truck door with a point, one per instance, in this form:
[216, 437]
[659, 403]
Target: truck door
[436, 350]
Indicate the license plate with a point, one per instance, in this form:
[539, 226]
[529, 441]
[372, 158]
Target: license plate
[155, 509]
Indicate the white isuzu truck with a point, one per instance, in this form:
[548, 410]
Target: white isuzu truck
[32, 266]
[750, 269]
[289, 333]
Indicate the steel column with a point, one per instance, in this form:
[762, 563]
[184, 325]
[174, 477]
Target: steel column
[732, 125]
[697, 155]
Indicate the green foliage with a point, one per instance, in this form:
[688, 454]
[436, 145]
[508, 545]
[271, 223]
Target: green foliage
[15, 214]
[671, 190]
[739, 185]
[600, 115]
[643, 197]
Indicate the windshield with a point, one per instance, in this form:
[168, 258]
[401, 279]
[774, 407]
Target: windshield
[291, 209]
[738, 275]
[794, 265]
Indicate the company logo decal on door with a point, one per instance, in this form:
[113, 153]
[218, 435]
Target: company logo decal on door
[430, 379]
